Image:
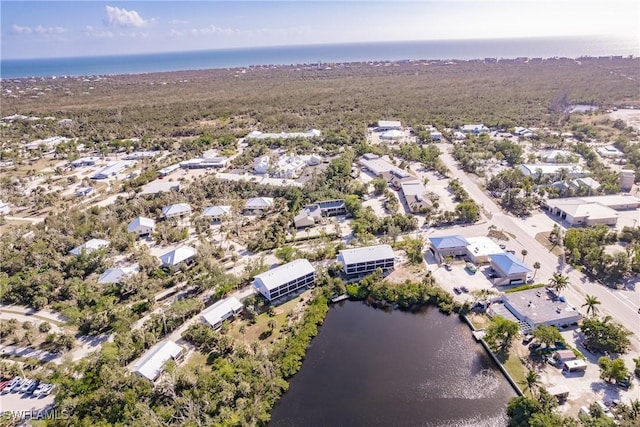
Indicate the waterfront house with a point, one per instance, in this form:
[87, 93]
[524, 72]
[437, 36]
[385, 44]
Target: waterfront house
[362, 261]
[285, 279]
[535, 307]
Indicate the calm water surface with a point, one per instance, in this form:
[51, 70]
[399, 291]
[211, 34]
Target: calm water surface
[368, 367]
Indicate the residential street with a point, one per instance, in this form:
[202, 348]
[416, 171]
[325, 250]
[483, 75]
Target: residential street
[622, 305]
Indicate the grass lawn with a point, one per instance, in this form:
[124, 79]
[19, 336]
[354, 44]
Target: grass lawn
[543, 238]
[516, 369]
[259, 331]
[196, 360]
[480, 321]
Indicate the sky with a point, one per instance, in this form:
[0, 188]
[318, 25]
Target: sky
[50, 29]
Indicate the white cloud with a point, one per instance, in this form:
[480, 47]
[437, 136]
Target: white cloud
[39, 30]
[178, 22]
[123, 18]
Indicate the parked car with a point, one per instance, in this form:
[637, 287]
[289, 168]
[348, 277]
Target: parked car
[472, 268]
[25, 385]
[456, 291]
[625, 383]
[4, 384]
[17, 385]
[32, 387]
[464, 289]
[43, 389]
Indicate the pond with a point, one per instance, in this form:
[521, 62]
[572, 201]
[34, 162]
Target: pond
[369, 367]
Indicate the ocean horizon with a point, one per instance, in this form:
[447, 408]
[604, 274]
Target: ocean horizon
[571, 47]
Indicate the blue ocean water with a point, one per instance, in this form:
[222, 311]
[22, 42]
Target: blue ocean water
[571, 47]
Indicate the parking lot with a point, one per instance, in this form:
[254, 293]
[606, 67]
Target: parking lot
[457, 277]
[22, 406]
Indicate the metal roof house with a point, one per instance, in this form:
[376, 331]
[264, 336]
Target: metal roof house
[151, 364]
[257, 205]
[285, 279]
[475, 129]
[178, 255]
[315, 212]
[553, 170]
[89, 246]
[142, 226]
[157, 187]
[362, 261]
[444, 246]
[111, 170]
[216, 213]
[114, 275]
[510, 269]
[221, 311]
[385, 125]
[176, 210]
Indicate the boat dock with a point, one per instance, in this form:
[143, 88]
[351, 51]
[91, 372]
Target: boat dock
[339, 298]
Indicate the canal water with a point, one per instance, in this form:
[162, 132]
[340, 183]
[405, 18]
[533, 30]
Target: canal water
[369, 367]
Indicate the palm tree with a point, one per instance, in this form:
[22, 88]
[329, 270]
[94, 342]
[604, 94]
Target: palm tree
[531, 382]
[558, 282]
[591, 302]
[536, 267]
[524, 253]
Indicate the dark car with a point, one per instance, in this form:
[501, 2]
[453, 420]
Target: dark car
[32, 387]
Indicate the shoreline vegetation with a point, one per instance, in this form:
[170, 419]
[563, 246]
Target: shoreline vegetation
[188, 113]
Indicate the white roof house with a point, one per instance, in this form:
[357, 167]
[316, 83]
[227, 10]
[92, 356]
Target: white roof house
[151, 364]
[459, 136]
[572, 170]
[285, 279]
[89, 246]
[178, 255]
[389, 124]
[362, 261]
[392, 134]
[142, 226]
[311, 133]
[289, 166]
[156, 187]
[262, 165]
[4, 208]
[114, 275]
[366, 254]
[169, 169]
[111, 170]
[217, 212]
[258, 204]
[178, 209]
[553, 156]
[220, 311]
[475, 128]
[609, 151]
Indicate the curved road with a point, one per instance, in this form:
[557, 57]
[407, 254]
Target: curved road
[621, 305]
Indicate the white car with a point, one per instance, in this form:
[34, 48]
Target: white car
[43, 390]
[13, 383]
[25, 385]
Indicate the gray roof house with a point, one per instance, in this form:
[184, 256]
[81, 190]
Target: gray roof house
[285, 279]
[114, 275]
[151, 364]
[444, 246]
[90, 246]
[510, 269]
[362, 261]
[178, 255]
[176, 210]
[142, 226]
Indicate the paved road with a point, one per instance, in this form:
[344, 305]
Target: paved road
[622, 305]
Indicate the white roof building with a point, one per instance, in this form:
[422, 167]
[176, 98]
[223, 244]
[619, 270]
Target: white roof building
[151, 364]
[459, 136]
[178, 255]
[114, 275]
[389, 124]
[90, 246]
[178, 209]
[217, 212]
[554, 156]
[361, 261]
[139, 155]
[475, 128]
[393, 134]
[610, 151]
[220, 311]
[572, 170]
[285, 279]
[311, 133]
[85, 161]
[142, 226]
[258, 204]
[156, 187]
[289, 166]
[169, 169]
[4, 208]
[111, 170]
[479, 249]
[378, 166]
[262, 165]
